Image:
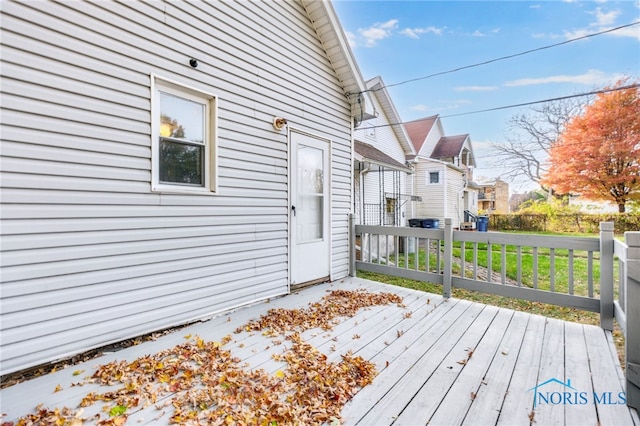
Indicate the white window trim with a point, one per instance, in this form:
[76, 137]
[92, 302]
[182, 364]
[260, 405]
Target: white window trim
[210, 178]
[439, 177]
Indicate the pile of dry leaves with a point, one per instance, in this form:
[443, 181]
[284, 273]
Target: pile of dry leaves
[204, 383]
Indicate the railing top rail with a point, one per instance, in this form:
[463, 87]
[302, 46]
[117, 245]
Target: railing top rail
[548, 241]
[620, 249]
[402, 231]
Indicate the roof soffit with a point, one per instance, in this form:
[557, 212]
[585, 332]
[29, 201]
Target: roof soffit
[325, 21]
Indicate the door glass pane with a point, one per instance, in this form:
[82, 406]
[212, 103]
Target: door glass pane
[310, 170]
[310, 200]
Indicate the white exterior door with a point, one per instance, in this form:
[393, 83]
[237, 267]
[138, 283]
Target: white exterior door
[309, 212]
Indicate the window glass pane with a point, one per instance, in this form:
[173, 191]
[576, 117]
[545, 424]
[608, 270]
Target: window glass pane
[434, 177]
[181, 163]
[181, 118]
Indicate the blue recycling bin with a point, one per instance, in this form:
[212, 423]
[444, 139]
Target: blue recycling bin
[483, 223]
[430, 223]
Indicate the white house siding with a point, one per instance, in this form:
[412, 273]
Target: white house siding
[90, 255]
[432, 139]
[384, 139]
[455, 200]
[433, 195]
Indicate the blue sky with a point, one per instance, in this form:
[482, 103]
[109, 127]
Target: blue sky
[403, 40]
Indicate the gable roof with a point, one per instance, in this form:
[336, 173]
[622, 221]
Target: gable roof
[388, 108]
[418, 130]
[449, 146]
[372, 154]
[325, 21]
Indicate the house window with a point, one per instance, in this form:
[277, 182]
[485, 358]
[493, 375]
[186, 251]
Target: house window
[433, 178]
[183, 139]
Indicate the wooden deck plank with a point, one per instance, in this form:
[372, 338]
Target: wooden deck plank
[578, 409]
[416, 349]
[518, 403]
[407, 356]
[441, 356]
[492, 391]
[461, 396]
[603, 364]
[439, 385]
[551, 368]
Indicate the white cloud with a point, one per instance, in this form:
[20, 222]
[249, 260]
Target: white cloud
[475, 88]
[603, 18]
[419, 108]
[351, 39]
[590, 78]
[478, 33]
[416, 32]
[534, 6]
[377, 32]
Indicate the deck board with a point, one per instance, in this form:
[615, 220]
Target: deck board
[490, 394]
[421, 352]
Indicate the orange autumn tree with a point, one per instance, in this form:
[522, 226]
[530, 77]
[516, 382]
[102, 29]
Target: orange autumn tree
[598, 154]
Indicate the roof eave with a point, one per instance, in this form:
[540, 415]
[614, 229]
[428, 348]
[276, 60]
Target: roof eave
[327, 26]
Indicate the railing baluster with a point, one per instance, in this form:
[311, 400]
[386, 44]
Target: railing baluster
[503, 265]
[552, 270]
[475, 261]
[438, 266]
[489, 263]
[416, 256]
[535, 268]
[519, 255]
[463, 264]
[386, 249]
[427, 253]
[405, 241]
[590, 272]
[570, 266]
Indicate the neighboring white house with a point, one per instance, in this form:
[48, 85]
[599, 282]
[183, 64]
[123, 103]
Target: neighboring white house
[443, 170]
[381, 195]
[165, 161]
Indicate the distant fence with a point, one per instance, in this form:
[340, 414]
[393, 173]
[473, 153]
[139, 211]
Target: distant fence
[579, 222]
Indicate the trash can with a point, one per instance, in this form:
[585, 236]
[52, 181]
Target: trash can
[415, 223]
[483, 223]
[430, 223]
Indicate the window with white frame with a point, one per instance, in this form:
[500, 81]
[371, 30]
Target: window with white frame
[433, 178]
[184, 157]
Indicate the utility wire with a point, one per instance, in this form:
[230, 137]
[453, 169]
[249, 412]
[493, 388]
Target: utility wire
[504, 57]
[595, 92]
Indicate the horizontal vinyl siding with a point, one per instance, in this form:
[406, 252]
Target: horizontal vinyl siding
[433, 196]
[89, 255]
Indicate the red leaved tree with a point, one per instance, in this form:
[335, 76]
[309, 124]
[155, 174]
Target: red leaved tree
[598, 154]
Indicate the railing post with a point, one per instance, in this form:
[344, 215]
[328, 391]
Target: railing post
[606, 275]
[352, 245]
[632, 310]
[448, 258]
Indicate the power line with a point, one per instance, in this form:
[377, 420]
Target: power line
[502, 58]
[595, 92]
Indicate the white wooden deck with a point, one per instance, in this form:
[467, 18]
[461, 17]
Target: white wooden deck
[446, 363]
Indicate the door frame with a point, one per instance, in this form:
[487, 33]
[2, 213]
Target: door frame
[329, 201]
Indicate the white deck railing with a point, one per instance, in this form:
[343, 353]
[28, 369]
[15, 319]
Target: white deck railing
[559, 271]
